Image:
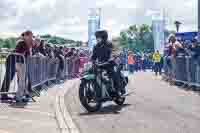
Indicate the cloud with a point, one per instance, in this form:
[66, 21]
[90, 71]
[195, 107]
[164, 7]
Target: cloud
[7, 9]
[152, 12]
[190, 3]
[72, 20]
[123, 26]
[68, 18]
[102, 3]
[110, 22]
[8, 34]
[126, 4]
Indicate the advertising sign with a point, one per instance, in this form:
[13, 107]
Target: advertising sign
[158, 34]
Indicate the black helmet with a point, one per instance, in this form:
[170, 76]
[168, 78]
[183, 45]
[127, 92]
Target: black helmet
[102, 34]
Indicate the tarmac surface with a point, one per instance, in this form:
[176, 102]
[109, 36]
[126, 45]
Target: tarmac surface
[156, 107]
[36, 117]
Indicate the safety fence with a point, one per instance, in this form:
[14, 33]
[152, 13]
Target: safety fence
[38, 70]
[41, 70]
[183, 69]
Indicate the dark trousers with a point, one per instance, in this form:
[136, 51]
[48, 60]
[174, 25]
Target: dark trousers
[114, 75]
[131, 68]
[116, 79]
[157, 68]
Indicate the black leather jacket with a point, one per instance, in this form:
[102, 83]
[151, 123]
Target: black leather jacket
[102, 52]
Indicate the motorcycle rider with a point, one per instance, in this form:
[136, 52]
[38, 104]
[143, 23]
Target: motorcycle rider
[102, 52]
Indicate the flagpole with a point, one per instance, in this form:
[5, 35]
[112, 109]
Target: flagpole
[164, 24]
[99, 18]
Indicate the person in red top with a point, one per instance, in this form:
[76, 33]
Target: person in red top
[131, 62]
[16, 63]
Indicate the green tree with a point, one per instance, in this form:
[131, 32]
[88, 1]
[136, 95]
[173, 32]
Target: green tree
[7, 44]
[46, 36]
[1, 43]
[13, 42]
[137, 37]
[133, 32]
[123, 39]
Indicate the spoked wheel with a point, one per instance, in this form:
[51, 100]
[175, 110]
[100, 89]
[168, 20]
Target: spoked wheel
[89, 94]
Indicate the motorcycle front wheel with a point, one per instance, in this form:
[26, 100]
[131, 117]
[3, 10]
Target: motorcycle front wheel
[89, 93]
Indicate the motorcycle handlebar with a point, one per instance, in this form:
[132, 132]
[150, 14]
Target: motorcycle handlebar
[104, 63]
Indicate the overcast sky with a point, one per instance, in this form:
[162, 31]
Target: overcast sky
[68, 18]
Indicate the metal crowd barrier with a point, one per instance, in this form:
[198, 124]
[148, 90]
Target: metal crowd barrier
[39, 70]
[8, 76]
[68, 68]
[72, 67]
[183, 69]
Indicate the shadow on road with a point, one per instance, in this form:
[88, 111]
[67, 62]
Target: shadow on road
[14, 104]
[111, 109]
[18, 105]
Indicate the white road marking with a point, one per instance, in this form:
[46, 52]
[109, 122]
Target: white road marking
[4, 131]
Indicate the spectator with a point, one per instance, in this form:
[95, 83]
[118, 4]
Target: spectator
[42, 49]
[137, 63]
[170, 53]
[161, 63]
[49, 51]
[71, 52]
[66, 50]
[16, 63]
[157, 61]
[77, 63]
[36, 51]
[60, 56]
[131, 62]
[143, 62]
[176, 47]
[124, 58]
[195, 49]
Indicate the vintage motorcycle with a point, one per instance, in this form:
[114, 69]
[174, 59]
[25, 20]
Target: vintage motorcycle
[97, 86]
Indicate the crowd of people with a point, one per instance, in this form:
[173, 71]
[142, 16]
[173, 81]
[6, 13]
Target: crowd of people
[29, 45]
[176, 47]
[155, 61]
[135, 62]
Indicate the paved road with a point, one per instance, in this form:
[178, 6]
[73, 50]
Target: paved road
[155, 107]
[36, 117]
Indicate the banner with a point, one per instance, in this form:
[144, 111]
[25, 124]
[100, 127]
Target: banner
[158, 34]
[93, 26]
